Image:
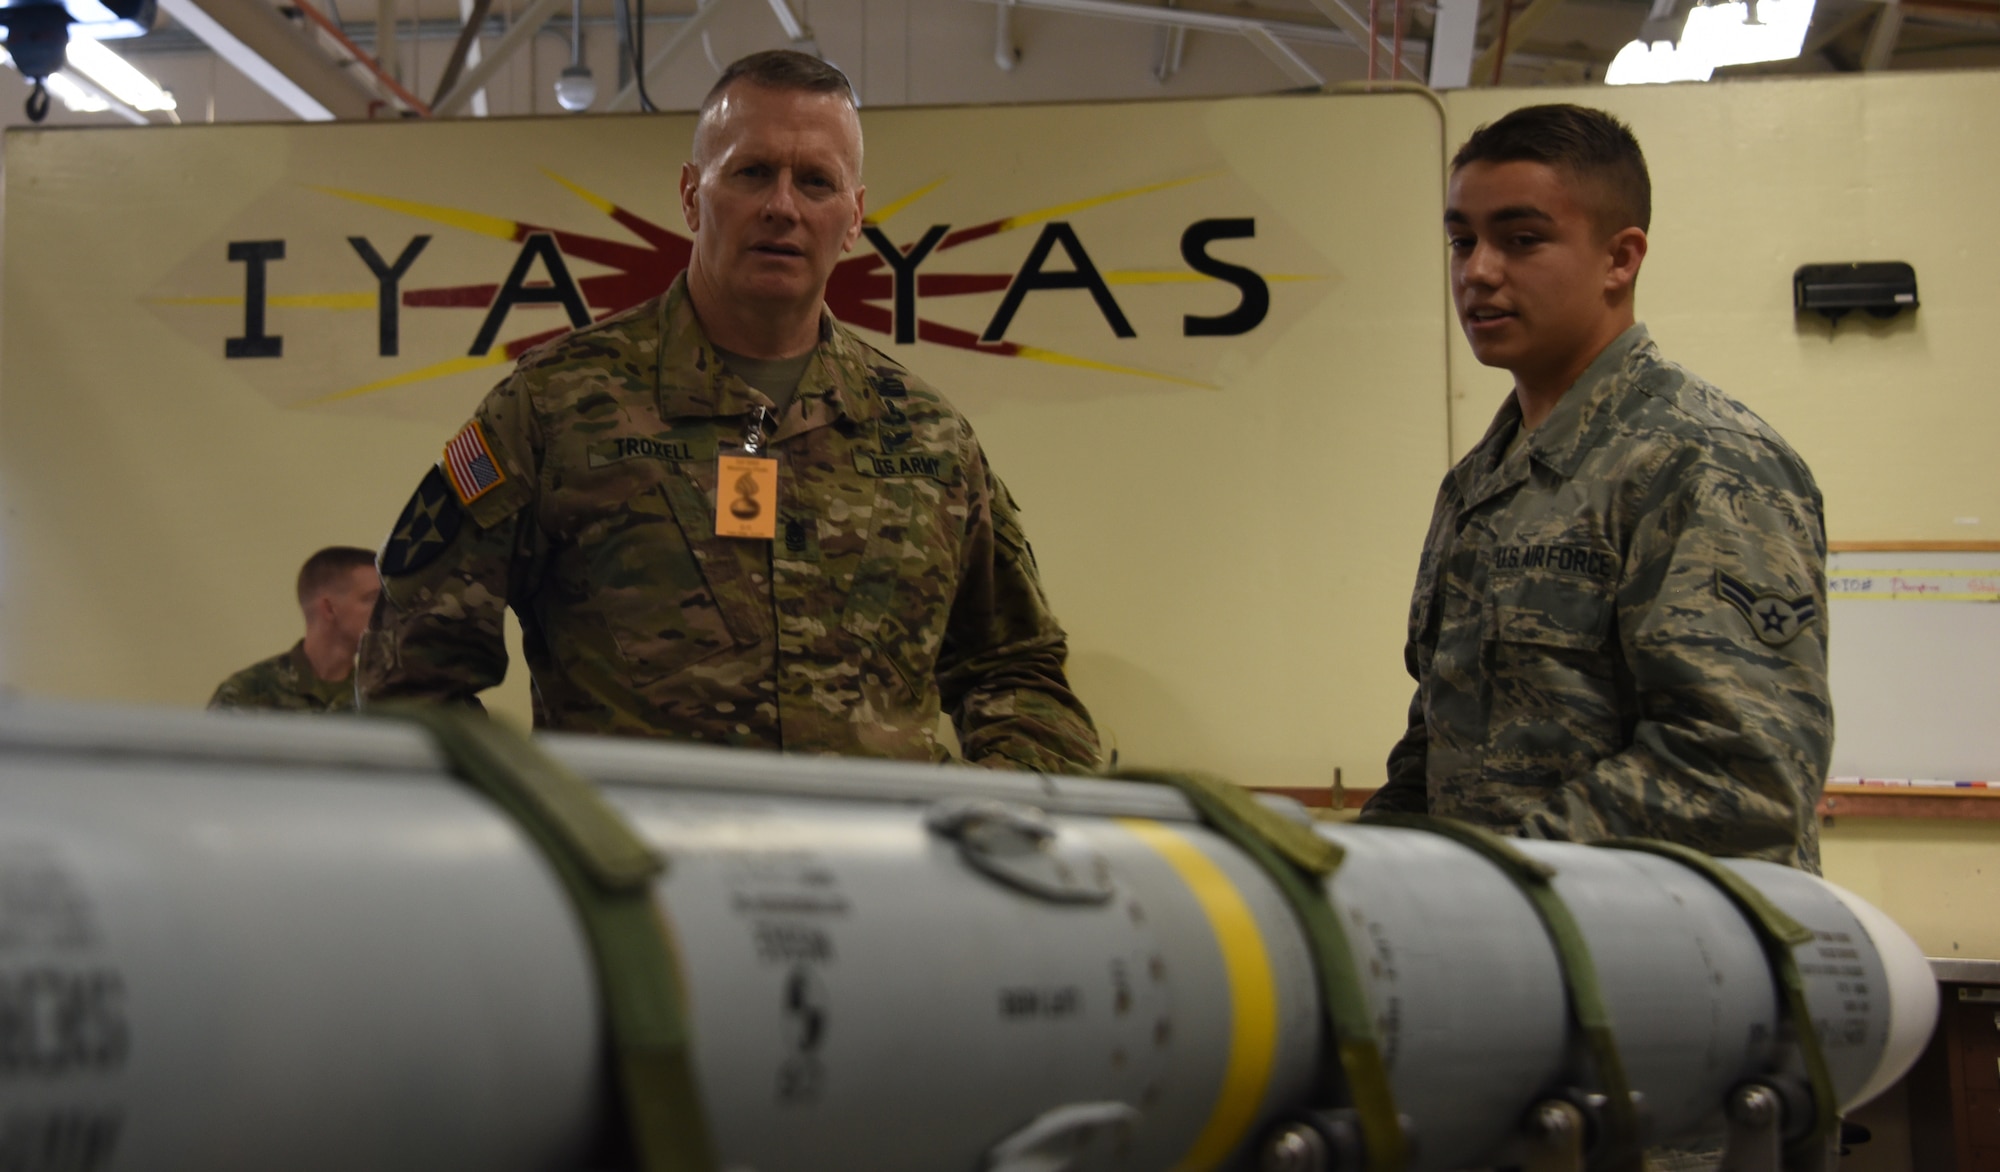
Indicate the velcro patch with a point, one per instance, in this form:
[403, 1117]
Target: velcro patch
[669, 446]
[469, 462]
[1773, 619]
[798, 537]
[1563, 559]
[427, 527]
[940, 466]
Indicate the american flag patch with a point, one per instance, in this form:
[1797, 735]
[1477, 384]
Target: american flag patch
[468, 460]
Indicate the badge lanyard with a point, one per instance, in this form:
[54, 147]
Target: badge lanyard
[746, 486]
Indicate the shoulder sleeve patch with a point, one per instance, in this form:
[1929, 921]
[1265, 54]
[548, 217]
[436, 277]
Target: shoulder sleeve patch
[427, 527]
[471, 465]
[1773, 618]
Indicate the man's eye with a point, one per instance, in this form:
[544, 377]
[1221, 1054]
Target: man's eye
[1459, 243]
[1526, 241]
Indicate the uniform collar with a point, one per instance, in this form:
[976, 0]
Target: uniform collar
[692, 381]
[1584, 412]
[1571, 430]
[308, 679]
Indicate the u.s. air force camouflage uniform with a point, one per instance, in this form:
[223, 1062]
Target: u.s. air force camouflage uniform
[285, 682]
[898, 581]
[1619, 626]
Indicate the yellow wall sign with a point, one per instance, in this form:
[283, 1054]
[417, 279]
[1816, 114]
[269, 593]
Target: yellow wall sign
[228, 346]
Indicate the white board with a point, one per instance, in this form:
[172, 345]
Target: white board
[1915, 665]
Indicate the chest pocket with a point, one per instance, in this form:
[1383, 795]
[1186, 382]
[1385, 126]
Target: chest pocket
[668, 598]
[1568, 612]
[906, 577]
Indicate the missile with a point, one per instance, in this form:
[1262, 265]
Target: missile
[279, 942]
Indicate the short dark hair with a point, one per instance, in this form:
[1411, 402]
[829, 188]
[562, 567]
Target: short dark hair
[324, 570]
[1589, 144]
[782, 69]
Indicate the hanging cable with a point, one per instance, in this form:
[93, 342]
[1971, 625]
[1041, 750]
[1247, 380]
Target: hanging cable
[1374, 38]
[1396, 52]
[639, 56]
[1500, 52]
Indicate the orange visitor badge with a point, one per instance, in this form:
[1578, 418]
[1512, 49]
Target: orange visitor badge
[746, 497]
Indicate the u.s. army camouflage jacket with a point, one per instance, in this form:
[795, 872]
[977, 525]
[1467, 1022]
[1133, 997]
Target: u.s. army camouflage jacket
[285, 682]
[899, 582]
[1619, 627]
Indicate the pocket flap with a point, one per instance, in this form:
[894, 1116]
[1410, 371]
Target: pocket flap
[1553, 611]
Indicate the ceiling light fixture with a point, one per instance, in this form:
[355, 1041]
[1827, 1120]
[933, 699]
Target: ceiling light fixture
[576, 89]
[116, 76]
[1741, 32]
[1639, 63]
[74, 97]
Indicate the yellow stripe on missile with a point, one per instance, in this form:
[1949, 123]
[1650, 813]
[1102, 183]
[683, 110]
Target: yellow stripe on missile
[1253, 994]
[476, 222]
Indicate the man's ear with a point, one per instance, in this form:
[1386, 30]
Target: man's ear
[690, 206]
[1626, 251]
[860, 218]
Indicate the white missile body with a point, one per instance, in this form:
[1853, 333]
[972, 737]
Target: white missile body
[266, 942]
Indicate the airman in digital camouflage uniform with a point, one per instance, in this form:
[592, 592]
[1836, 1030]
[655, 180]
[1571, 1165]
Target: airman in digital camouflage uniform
[336, 590]
[887, 581]
[1619, 622]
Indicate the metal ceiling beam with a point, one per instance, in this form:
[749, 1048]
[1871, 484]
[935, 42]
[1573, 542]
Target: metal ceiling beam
[1351, 23]
[1882, 39]
[269, 50]
[788, 20]
[683, 36]
[1453, 38]
[1006, 48]
[1269, 36]
[473, 80]
[1281, 55]
[1522, 24]
[461, 50]
[386, 51]
[1187, 18]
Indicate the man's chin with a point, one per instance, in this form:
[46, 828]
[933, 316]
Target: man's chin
[1493, 353]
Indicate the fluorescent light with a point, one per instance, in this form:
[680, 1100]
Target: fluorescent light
[74, 97]
[116, 76]
[1728, 36]
[1662, 61]
[1716, 35]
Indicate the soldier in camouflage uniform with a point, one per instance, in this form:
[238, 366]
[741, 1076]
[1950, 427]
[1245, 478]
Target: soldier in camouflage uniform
[895, 581]
[1619, 621]
[336, 590]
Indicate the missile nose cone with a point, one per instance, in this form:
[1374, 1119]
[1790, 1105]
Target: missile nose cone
[1913, 995]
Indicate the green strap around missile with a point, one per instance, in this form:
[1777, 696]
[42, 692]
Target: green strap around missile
[608, 872]
[1779, 934]
[1298, 862]
[1620, 1119]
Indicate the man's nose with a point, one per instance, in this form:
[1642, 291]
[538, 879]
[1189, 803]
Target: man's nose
[782, 202]
[1481, 265]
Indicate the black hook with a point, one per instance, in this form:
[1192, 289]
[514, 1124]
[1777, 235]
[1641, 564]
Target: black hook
[38, 101]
